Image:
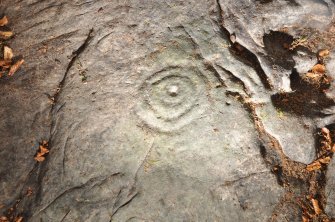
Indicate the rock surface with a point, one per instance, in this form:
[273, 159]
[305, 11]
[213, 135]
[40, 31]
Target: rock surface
[166, 111]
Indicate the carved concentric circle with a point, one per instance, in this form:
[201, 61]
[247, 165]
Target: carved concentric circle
[172, 98]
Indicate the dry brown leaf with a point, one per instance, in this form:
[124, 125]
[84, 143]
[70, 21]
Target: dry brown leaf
[5, 63]
[326, 140]
[305, 219]
[39, 158]
[4, 21]
[325, 146]
[4, 219]
[29, 192]
[15, 67]
[325, 160]
[318, 68]
[45, 143]
[7, 53]
[43, 150]
[19, 219]
[323, 53]
[325, 131]
[316, 206]
[298, 42]
[311, 75]
[313, 78]
[313, 166]
[6, 35]
[39, 154]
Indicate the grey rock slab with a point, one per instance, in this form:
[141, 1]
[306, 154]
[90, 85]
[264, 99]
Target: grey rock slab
[330, 206]
[168, 147]
[148, 122]
[295, 134]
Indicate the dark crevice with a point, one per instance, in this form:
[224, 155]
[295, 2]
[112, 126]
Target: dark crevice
[49, 7]
[24, 203]
[264, 1]
[235, 79]
[262, 150]
[250, 59]
[239, 180]
[209, 66]
[278, 172]
[132, 197]
[67, 213]
[74, 57]
[242, 53]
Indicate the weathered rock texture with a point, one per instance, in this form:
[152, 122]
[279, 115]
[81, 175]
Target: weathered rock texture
[166, 110]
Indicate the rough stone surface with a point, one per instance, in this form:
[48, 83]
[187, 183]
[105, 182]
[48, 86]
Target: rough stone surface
[163, 110]
[330, 209]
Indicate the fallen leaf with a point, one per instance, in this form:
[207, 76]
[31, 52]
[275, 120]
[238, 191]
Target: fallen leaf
[4, 219]
[298, 42]
[313, 166]
[316, 206]
[39, 158]
[323, 53]
[326, 140]
[5, 63]
[39, 154]
[318, 68]
[43, 150]
[19, 219]
[313, 78]
[305, 219]
[4, 21]
[15, 67]
[7, 53]
[6, 35]
[45, 143]
[325, 160]
[312, 75]
[29, 192]
[325, 131]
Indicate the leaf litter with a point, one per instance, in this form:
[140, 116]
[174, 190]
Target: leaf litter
[9, 64]
[327, 150]
[42, 151]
